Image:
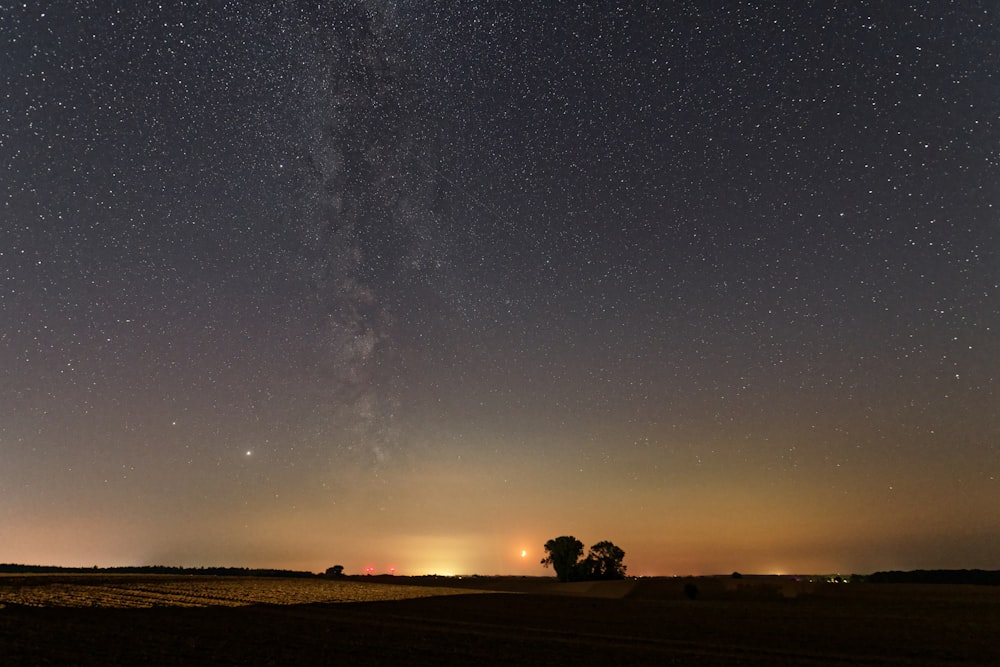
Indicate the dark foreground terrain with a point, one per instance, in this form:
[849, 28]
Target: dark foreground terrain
[533, 622]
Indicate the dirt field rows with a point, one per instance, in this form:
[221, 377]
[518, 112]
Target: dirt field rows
[645, 622]
[141, 591]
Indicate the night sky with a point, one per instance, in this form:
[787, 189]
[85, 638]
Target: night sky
[420, 285]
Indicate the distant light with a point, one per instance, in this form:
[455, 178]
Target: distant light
[249, 453]
[524, 553]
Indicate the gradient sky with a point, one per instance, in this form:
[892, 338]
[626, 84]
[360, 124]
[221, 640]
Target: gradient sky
[421, 285]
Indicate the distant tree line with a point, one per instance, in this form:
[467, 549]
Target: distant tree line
[978, 577]
[9, 568]
[604, 561]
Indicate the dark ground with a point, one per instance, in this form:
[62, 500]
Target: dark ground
[617, 623]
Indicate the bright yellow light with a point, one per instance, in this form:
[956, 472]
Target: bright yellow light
[524, 553]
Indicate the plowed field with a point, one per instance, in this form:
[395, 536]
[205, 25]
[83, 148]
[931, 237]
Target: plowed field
[191, 621]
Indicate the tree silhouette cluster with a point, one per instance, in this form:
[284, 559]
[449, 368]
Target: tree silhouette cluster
[604, 561]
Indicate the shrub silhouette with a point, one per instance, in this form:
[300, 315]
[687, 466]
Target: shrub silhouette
[691, 591]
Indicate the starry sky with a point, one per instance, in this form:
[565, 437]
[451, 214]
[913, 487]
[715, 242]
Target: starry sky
[419, 285]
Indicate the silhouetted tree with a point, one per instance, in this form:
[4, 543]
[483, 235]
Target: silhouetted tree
[335, 571]
[563, 553]
[603, 562]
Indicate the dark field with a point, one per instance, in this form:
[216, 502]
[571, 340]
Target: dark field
[523, 621]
